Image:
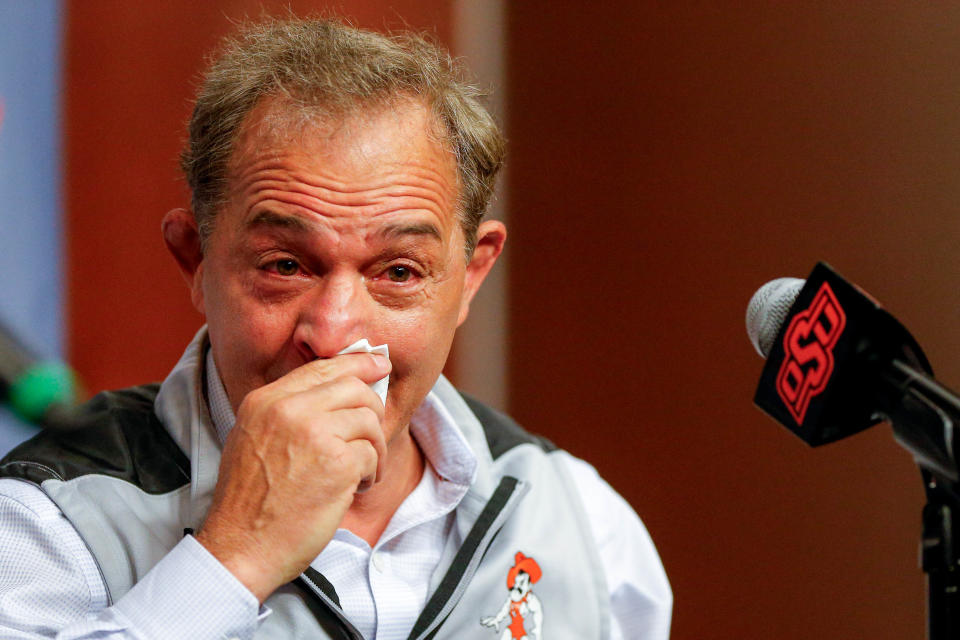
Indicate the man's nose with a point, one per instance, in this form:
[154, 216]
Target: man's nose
[333, 315]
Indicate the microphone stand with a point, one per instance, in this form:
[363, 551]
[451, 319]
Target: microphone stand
[923, 422]
[939, 558]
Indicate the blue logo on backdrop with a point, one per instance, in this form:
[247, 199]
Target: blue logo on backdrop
[30, 208]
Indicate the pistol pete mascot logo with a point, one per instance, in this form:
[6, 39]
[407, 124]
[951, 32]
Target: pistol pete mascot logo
[524, 608]
[808, 352]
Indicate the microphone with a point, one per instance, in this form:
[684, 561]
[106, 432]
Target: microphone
[837, 363]
[36, 390]
[768, 309]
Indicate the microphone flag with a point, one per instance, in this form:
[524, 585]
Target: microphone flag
[828, 353]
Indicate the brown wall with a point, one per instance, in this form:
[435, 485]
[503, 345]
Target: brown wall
[667, 160]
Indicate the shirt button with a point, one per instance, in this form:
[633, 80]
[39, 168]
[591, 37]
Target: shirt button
[378, 561]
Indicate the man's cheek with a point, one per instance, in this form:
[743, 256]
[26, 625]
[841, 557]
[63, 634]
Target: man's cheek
[406, 334]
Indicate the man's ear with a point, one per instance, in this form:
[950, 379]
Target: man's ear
[490, 238]
[182, 237]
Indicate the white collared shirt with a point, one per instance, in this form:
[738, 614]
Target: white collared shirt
[49, 581]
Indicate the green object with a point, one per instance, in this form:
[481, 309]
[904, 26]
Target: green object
[41, 386]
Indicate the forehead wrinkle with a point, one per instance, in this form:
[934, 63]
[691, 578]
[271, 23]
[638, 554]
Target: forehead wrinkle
[275, 126]
[395, 174]
[304, 169]
[385, 204]
[417, 188]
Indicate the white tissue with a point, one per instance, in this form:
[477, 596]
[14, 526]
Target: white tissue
[363, 346]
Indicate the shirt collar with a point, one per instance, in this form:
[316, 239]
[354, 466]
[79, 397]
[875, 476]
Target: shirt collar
[432, 426]
[220, 410]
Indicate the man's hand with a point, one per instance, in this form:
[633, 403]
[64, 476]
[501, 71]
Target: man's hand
[301, 448]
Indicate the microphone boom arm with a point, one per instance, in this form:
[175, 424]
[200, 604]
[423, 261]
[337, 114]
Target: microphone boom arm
[923, 414]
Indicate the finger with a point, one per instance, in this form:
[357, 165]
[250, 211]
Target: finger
[347, 409]
[366, 460]
[342, 393]
[369, 367]
[354, 425]
[358, 424]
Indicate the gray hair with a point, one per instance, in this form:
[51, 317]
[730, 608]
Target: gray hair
[324, 66]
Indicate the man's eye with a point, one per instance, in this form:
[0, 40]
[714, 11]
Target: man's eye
[286, 267]
[399, 273]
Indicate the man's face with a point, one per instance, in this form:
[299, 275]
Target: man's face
[344, 230]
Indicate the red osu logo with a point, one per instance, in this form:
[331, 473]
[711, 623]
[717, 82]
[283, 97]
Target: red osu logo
[808, 352]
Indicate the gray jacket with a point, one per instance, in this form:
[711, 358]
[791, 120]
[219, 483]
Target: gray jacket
[141, 472]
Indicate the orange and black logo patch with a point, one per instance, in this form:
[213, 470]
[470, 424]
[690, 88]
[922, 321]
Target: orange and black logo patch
[808, 352]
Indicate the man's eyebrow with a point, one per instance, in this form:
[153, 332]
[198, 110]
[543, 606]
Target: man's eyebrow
[413, 229]
[388, 232]
[273, 219]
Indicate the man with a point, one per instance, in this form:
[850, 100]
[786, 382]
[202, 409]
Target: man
[339, 179]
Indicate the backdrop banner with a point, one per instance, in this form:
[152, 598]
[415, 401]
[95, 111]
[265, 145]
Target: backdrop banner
[31, 283]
